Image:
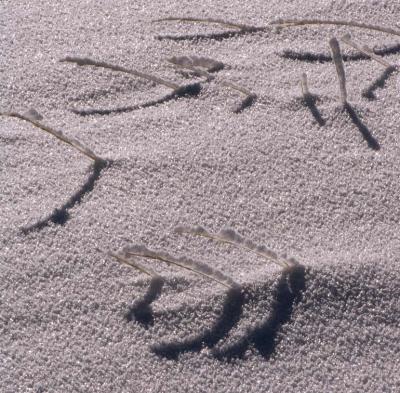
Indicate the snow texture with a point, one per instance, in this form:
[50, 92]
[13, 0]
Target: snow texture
[319, 182]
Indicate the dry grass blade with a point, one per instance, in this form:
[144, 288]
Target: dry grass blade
[303, 22]
[207, 21]
[304, 85]
[238, 88]
[83, 61]
[134, 264]
[190, 62]
[231, 237]
[338, 60]
[310, 100]
[32, 116]
[186, 263]
[364, 49]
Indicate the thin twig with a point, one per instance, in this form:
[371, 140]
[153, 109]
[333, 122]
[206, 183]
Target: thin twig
[302, 22]
[234, 239]
[82, 61]
[185, 263]
[310, 100]
[58, 134]
[304, 85]
[364, 49]
[134, 264]
[338, 60]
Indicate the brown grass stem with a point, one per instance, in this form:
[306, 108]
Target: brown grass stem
[364, 49]
[232, 238]
[58, 134]
[338, 60]
[83, 61]
[184, 263]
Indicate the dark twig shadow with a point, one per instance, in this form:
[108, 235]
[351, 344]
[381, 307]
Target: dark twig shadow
[264, 337]
[61, 215]
[379, 83]
[387, 50]
[230, 316]
[312, 57]
[190, 90]
[310, 100]
[211, 36]
[141, 310]
[369, 138]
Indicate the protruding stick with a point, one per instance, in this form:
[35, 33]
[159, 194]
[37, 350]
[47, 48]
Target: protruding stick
[304, 85]
[338, 60]
[364, 49]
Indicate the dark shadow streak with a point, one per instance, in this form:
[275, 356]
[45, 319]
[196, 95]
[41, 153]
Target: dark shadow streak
[61, 216]
[372, 142]
[388, 50]
[380, 82]
[190, 90]
[264, 337]
[231, 313]
[141, 310]
[311, 57]
[309, 100]
[211, 36]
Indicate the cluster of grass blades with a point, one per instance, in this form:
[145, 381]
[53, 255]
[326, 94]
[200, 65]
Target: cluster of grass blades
[129, 254]
[263, 336]
[61, 215]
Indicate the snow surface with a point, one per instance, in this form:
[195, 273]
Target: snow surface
[326, 195]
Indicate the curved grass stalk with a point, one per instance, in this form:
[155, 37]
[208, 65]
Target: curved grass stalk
[302, 22]
[83, 61]
[32, 117]
[229, 236]
[134, 264]
[364, 49]
[196, 267]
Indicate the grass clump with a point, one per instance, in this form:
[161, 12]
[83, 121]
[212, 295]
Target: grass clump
[229, 236]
